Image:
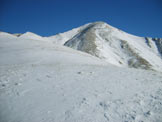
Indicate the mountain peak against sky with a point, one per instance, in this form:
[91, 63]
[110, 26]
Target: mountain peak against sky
[47, 17]
[116, 47]
[42, 79]
[109, 44]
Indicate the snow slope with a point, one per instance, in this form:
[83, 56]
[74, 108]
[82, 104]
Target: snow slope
[41, 82]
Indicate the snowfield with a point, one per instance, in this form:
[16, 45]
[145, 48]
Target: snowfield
[45, 82]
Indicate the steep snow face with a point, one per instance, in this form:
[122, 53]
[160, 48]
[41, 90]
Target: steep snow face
[155, 45]
[41, 82]
[117, 47]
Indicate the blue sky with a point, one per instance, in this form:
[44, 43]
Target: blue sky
[49, 17]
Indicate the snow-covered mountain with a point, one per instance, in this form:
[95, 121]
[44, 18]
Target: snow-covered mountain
[118, 47]
[44, 82]
[110, 44]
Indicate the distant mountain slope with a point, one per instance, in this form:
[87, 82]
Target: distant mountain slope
[30, 35]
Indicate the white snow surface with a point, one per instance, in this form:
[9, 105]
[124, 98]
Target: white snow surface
[43, 82]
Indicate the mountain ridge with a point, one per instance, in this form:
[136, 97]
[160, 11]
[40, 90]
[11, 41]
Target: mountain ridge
[110, 44]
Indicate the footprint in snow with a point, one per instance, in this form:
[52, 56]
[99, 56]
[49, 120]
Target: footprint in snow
[48, 76]
[148, 113]
[17, 84]
[3, 85]
[79, 72]
[91, 72]
[84, 73]
[104, 105]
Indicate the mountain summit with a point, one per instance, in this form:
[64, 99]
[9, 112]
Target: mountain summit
[117, 47]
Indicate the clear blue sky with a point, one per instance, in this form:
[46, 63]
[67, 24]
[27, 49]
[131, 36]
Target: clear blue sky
[48, 17]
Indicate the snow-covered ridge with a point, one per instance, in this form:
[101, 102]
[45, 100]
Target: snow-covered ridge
[30, 35]
[62, 38]
[110, 44]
